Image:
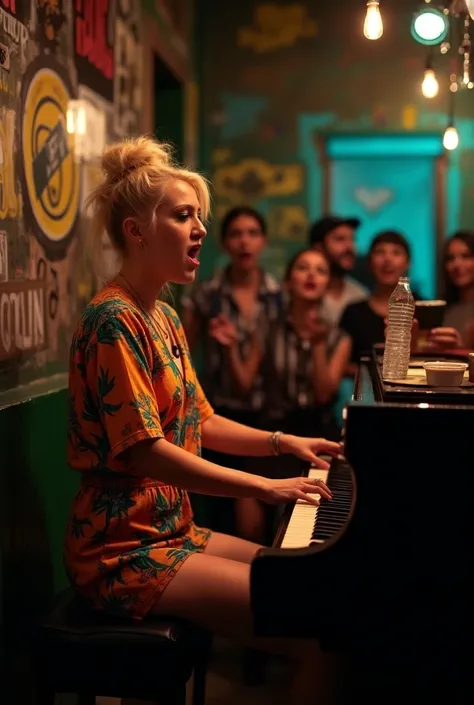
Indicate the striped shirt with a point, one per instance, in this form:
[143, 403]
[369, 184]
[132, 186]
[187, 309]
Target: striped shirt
[291, 367]
[210, 298]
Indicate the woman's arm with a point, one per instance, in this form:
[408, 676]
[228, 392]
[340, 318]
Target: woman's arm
[173, 465]
[328, 373]
[226, 436]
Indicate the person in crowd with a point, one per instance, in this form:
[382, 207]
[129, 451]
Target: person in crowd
[459, 285]
[335, 236]
[305, 361]
[389, 259]
[245, 299]
[364, 321]
[138, 418]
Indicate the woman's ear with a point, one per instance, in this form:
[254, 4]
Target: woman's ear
[131, 231]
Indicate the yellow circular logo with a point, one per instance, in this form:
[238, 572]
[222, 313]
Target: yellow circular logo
[51, 174]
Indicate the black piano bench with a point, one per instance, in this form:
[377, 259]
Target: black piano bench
[89, 654]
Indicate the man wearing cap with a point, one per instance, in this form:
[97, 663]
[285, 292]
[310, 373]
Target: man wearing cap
[335, 236]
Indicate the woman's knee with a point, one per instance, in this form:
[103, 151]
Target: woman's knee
[211, 591]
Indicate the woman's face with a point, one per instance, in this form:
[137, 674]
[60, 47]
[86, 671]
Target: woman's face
[459, 263]
[388, 262]
[309, 277]
[244, 242]
[170, 249]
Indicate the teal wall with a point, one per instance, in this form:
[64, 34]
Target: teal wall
[276, 78]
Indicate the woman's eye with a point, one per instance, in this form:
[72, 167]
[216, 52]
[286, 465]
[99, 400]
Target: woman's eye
[183, 216]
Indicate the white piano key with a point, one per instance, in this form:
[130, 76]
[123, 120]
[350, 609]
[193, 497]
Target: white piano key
[300, 527]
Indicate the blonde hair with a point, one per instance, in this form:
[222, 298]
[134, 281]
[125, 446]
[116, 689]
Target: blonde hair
[136, 172]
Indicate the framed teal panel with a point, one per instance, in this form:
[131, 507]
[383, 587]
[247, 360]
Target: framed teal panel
[391, 193]
[383, 146]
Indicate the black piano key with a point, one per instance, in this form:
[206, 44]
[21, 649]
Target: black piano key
[332, 515]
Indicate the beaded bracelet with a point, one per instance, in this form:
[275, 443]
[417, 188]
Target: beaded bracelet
[275, 442]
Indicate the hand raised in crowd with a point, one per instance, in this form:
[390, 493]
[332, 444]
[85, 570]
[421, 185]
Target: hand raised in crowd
[438, 338]
[222, 330]
[315, 330]
[445, 338]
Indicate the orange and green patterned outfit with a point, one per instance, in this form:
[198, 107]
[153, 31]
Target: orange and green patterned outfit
[128, 535]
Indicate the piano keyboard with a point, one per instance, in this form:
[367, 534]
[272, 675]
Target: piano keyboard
[310, 524]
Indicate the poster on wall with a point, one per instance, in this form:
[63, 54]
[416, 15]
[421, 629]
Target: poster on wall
[50, 20]
[17, 8]
[128, 77]
[22, 318]
[94, 29]
[49, 172]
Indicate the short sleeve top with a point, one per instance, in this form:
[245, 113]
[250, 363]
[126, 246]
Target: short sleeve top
[124, 385]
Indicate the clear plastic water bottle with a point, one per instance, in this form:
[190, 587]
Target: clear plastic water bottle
[401, 309]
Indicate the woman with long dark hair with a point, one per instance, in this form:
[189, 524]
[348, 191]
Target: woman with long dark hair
[459, 284]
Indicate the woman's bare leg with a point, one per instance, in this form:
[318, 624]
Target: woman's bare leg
[225, 546]
[250, 519]
[214, 592]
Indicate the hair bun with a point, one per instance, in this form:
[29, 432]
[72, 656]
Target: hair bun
[120, 159]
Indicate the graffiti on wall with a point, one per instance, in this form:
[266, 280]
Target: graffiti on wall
[288, 223]
[128, 70]
[50, 172]
[53, 52]
[93, 44]
[9, 192]
[257, 179]
[22, 318]
[277, 27]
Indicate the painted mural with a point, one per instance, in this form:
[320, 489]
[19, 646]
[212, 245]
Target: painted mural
[53, 52]
[279, 76]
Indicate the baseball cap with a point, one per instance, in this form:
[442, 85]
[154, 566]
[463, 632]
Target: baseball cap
[323, 226]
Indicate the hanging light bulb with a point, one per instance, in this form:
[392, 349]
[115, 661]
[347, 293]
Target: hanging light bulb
[373, 25]
[451, 138]
[430, 85]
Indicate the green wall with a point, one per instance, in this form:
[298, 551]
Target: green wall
[36, 489]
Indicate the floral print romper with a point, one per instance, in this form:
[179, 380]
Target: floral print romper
[127, 535]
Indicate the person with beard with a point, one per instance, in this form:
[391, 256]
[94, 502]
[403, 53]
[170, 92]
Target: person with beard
[335, 237]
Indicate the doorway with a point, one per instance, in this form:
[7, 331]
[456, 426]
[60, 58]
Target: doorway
[390, 182]
[169, 107]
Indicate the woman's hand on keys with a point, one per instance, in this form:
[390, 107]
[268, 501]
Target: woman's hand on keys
[293, 489]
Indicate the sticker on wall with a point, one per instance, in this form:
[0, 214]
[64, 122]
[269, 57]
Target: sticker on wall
[3, 256]
[255, 178]
[51, 18]
[9, 196]
[50, 173]
[288, 223]
[93, 45]
[373, 199]
[22, 318]
[276, 27]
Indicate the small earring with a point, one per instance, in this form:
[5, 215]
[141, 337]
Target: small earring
[140, 242]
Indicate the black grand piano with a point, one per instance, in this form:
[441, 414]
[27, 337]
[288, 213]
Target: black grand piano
[385, 572]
